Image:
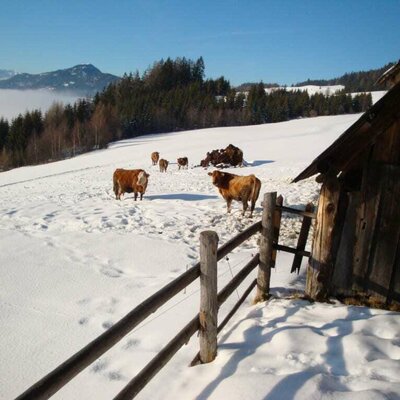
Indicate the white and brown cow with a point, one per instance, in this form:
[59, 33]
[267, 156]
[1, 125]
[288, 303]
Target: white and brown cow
[155, 156]
[183, 162]
[130, 180]
[236, 187]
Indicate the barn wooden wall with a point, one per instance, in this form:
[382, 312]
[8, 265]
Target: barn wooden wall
[368, 254]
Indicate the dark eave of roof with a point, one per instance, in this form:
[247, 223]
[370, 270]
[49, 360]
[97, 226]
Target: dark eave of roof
[358, 137]
[391, 75]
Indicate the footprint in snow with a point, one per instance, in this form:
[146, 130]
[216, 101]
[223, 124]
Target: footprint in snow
[111, 272]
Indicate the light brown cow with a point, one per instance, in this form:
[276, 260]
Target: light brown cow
[236, 187]
[130, 180]
[155, 156]
[163, 165]
[183, 162]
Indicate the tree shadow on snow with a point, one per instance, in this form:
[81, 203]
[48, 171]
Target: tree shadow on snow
[181, 196]
[332, 367]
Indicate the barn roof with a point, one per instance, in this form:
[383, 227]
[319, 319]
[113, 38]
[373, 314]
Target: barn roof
[391, 75]
[364, 132]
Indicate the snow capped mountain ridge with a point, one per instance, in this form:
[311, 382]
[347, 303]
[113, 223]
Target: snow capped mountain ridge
[85, 79]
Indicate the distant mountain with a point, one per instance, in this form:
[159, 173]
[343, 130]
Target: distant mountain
[5, 74]
[84, 79]
[362, 81]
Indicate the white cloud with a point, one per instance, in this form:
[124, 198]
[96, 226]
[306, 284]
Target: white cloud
[14, 102]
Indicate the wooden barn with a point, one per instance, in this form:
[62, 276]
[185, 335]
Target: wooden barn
[356, 245]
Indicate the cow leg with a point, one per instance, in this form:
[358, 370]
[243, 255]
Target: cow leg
[228, 205]
[245, 205]
[136, 196]
[141, 196]
[253, 203]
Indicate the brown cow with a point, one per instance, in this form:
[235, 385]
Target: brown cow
[183, 162]
[236, 187]
[163, 165]
[130, 180]
[155, 156]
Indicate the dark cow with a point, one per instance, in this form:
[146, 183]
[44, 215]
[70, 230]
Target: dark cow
[231, 155]
[155, 156]
[183, 162]
[130, 180]
[236, 187]
[163, 165]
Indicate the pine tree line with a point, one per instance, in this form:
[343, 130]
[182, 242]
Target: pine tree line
[172, 95]
[353, 82]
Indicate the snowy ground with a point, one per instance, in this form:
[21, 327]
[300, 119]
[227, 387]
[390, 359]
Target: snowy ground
[73, 261]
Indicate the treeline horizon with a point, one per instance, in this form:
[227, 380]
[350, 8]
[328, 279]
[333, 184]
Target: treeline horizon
[172, 95]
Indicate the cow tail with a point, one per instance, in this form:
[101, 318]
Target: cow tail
[256, 190]
[116, 186]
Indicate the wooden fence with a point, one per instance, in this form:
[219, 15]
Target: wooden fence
[206, 320]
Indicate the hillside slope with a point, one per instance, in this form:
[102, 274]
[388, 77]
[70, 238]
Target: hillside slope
[74, 260]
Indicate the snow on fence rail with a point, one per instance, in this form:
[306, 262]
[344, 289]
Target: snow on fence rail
[206, 320]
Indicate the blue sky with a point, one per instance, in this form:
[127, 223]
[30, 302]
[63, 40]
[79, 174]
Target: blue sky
[283, 41]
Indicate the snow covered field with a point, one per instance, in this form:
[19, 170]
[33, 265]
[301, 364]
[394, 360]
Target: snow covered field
[73, 261]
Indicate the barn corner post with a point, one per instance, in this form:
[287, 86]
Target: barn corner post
[208, 296]
[322, 260]
[266, 247]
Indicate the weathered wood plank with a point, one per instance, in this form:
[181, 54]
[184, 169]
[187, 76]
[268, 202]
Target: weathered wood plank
[208, 296]
[342, 279]
[366, 220]
[320, 266]
[266, 247]
[302, 240]
[387, 235]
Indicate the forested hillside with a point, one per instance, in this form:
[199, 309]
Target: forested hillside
[362, 81]
[172, 95]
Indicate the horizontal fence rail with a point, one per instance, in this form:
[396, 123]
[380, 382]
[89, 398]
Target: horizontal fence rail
[158, 362]
[65, 372]
[298, 212]
[238, 240]
[292, 250]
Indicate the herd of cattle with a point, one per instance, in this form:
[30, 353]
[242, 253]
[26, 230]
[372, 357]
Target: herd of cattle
[230, 186]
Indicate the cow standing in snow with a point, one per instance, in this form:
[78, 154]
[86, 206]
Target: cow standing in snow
[236, 187]
[130, 180]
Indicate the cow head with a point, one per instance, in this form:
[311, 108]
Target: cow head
[142, 178]
[217, 177]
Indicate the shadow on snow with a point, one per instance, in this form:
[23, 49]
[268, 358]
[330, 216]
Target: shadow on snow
[181, 196]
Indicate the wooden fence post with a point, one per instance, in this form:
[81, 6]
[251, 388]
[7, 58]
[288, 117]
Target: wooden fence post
[277, 227]
[302, 241]
[208, 296]
[266, 247]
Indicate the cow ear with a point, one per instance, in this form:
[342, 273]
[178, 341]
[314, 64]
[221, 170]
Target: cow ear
[209, 173]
